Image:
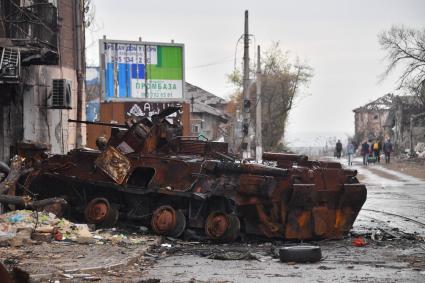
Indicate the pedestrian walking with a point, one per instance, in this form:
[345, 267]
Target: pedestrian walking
[365, 152]
[377, 147]
[388, 149]
[338, 149]
[350, 152]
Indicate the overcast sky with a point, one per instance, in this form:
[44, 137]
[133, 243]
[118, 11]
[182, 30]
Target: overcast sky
[338, 38]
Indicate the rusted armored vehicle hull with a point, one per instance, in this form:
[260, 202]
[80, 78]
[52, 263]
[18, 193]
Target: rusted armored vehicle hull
[147, 175]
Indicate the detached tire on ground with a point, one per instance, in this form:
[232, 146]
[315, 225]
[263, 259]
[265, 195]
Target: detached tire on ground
[300, 254]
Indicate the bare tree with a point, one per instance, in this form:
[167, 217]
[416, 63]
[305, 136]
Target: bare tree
[281, 83]
[405, 49]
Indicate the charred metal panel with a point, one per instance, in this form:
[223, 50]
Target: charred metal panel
[114, 164]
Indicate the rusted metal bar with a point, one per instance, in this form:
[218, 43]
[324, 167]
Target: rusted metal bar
[98, 123]
[26, 201]
[272, 156]
[14, 174]
[244, 168]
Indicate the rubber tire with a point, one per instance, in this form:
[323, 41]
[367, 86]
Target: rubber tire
[4, 168]
[180, 225]
[233, 232]
[178, 229]
[300, 254]
[111, 219]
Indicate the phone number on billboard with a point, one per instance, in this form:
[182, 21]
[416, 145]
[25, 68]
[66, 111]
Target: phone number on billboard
[127, 59]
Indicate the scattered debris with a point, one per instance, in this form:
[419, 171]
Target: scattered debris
[22, 227]
[231, 255]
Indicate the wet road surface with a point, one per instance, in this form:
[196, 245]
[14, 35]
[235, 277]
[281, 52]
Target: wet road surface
[395, 208]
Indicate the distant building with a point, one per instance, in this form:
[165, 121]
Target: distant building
[370, 119]
[405, 107]
[389, 117]
[207, 113]
[41, 74]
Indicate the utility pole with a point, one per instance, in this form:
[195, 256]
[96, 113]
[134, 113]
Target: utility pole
[258, 128]
[246, 142]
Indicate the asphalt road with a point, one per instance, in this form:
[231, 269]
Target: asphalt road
[395, 205]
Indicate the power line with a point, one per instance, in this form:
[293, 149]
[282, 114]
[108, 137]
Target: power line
[218, 62]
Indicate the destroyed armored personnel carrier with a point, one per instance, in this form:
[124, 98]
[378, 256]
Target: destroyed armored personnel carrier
[147, 173]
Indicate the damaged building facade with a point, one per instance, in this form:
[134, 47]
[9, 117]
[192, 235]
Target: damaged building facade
[41, 74]
[370, 119]
[208, 113]
[400, 118]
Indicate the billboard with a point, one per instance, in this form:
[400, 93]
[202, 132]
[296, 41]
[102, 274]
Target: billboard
[142, 70]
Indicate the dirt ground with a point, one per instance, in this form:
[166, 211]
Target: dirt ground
[414, 167]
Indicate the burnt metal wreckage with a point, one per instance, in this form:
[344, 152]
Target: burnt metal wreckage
[147, 173]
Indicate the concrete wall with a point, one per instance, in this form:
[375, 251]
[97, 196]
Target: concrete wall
[24, 111]
[41, 123]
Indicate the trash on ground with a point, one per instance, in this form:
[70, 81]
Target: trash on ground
[359, 242]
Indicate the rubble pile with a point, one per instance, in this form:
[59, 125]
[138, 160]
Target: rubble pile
[420, 149]
[25, 227]
[22, 227]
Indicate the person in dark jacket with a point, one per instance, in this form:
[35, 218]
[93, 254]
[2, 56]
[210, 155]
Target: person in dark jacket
[388, 148]
[338, 149]
[365, 151]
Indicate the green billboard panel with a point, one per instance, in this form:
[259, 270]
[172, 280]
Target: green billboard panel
[142, 70]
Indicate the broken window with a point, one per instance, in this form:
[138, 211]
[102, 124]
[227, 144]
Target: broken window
[196, 128]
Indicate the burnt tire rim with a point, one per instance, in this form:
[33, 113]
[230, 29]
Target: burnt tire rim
[97, 210]
[164, 220]
[221, 226]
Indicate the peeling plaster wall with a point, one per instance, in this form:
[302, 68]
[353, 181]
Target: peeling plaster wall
[41, 123]
[25, 116]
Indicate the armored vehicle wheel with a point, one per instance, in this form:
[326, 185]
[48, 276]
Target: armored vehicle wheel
[100, 211]
[222, 227]
[168, 221]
